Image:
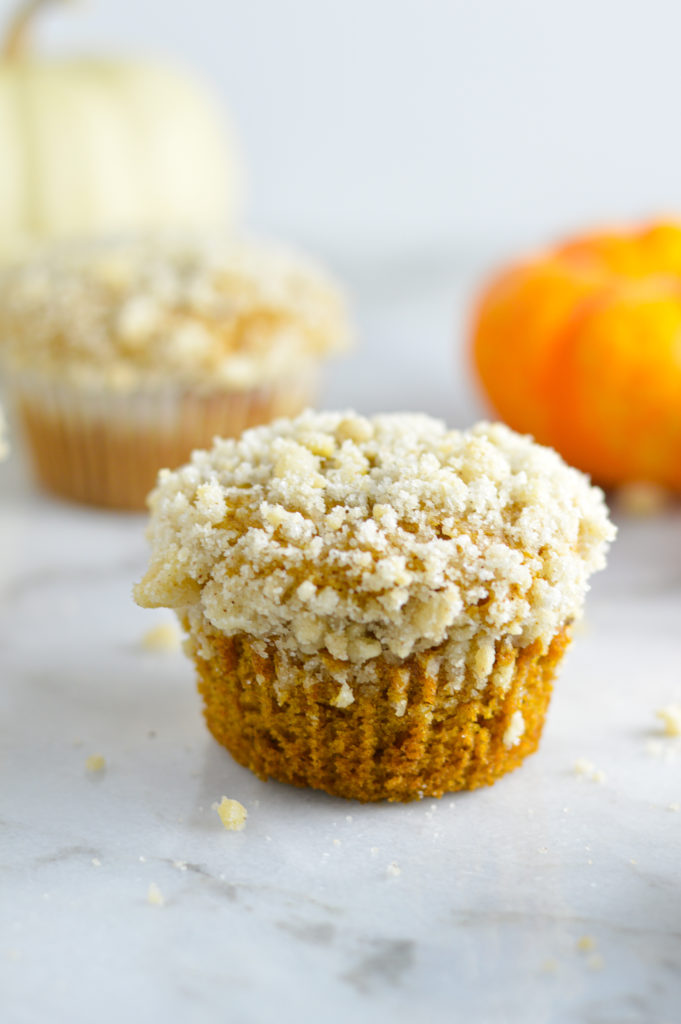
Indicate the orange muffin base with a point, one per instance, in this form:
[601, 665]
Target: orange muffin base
[108, 451]
[366, 751]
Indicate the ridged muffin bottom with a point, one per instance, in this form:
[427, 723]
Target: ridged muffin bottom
[366, 751]
[107, 450]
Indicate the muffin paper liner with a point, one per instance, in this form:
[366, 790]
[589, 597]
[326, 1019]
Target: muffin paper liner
[403, 738]
[106, 449]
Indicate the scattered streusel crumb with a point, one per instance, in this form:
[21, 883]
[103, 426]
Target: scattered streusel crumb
[336, 842]
[232, 814]
[674, 806]
[394, 869]
[163, 638]
[596, 962]
[155, 896]
[584, 767]
[96, 862]
[549, 966]
[666, 750]
[181, 865]
[670, 717]
[586, 944]
[95, 763]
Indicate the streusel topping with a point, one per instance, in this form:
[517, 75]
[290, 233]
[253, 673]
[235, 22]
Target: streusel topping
[204, 311]
[337, 535]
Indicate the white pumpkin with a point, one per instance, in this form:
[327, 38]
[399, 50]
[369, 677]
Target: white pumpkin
[92, 146]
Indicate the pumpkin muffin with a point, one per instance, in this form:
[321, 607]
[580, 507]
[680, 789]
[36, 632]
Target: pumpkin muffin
[375, 607]
[123, 356]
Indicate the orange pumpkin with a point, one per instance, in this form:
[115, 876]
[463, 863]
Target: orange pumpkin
[581, 347]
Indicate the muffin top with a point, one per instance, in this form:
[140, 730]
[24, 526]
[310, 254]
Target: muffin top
[334, 534]
[208, 312]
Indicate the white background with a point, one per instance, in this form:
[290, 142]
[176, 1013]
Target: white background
[425, 122]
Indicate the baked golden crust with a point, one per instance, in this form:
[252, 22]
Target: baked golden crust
[403, 738]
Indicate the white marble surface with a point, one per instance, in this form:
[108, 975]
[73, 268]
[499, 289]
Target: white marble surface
[470, 908]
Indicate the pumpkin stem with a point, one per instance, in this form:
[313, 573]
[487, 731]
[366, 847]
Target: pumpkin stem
[15, 42]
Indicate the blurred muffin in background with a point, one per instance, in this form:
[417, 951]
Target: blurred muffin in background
[122, 356]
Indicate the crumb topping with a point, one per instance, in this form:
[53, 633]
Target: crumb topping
[154, 895]
[202, 311]
[95, 763]
[670, 717]
[588, 770]
[357, 538]
[164, 638]
[232, 814]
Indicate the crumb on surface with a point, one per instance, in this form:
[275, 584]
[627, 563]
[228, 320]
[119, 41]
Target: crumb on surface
[154, 895]
[674, 806]
[393, 869]
[95, 763]
[670, 716]
[586, 944]
[667, 750]
[596, 962]
[165, 637]
[587, 769]
[549, 966]
[96, 862]
[232, 814]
